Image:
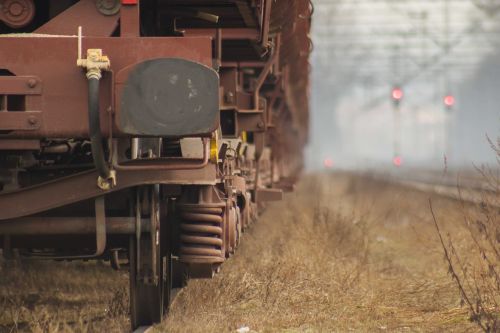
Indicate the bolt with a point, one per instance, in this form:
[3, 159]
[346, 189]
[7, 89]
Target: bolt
[32, 83]
[229, 97]
[32, 121]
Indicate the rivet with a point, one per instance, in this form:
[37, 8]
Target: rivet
[32, 83]
[229, 97]
[32, 121]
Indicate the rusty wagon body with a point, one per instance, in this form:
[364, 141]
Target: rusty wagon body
[148, 133]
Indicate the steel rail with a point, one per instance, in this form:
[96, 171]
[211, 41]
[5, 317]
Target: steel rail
[471, 193]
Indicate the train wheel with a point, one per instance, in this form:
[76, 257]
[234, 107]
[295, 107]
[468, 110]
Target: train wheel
[231, 230]
[150, 265]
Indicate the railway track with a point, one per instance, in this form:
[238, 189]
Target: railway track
[471, 191]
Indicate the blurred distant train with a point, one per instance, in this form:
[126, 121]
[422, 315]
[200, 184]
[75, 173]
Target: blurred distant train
[147, 133]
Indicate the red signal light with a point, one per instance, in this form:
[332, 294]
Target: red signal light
[397, 161]
[449, 100]
[397, 94]
[328, 163]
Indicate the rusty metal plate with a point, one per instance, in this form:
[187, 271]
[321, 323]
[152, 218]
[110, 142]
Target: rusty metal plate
[82, 186]
[20, 85]
[64, 97]
[22, 121]
[85, 14]
[252, 122]
[19, 145]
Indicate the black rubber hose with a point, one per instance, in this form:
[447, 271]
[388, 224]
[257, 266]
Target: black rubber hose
[95, 130]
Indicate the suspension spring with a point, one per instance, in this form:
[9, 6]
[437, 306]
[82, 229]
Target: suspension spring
[201, 234]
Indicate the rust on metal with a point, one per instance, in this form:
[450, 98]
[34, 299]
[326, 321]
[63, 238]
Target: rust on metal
[20, 121]
[20, 85]
[266, 15]
[12, 204]
[68, 226]
[202, 239]
[228, 34]
[84, 14]
[231, 74]
[168, 163]
[17, 144]
[62, 78]
[130, 21]
[17, 13]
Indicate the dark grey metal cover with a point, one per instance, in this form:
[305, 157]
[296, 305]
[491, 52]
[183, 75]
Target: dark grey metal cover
[170, 97]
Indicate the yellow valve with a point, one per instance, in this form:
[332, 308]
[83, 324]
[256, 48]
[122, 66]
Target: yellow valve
[107, 183]
[95, 63]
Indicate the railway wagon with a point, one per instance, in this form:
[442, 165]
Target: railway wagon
[149, 133]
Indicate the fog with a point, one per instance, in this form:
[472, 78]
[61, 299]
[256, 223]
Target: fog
[430, 49]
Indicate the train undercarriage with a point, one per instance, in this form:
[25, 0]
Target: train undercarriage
[149, 134]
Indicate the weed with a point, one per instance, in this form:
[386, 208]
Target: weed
[475, 269]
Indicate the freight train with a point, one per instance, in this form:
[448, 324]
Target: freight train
[148, 133]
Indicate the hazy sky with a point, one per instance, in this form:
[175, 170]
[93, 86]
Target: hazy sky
[362, 49]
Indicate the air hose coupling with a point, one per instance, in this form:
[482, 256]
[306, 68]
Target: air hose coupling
[95, 64]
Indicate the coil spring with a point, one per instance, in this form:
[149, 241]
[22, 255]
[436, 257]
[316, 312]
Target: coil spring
[201, 234]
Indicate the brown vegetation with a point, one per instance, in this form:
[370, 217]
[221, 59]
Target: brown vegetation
[62, 297]
[473, 259]
[343, 253]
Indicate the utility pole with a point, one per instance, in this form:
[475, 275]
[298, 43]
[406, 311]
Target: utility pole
[397, 96]
[447, 93]
[423, 45]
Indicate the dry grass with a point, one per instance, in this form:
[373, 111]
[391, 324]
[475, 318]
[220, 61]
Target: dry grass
[341, 254]
[473, 259]
[62, 297]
